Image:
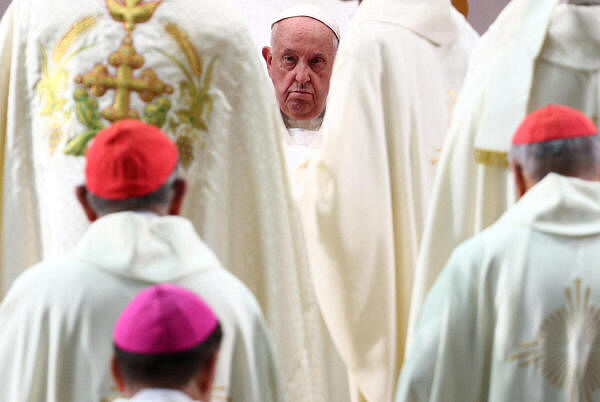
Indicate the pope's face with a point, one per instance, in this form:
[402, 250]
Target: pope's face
[299, 64]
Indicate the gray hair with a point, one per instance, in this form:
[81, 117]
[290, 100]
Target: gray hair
[577, 157]
[158, 198]
[336, 41]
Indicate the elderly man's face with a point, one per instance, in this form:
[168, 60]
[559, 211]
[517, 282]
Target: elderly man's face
[299, 64]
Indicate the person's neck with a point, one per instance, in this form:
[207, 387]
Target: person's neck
[313, 124]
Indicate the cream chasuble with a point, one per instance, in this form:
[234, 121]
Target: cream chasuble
[537, 52]
[56, 322]
[514, 315]
[364, 196]
[192, 69]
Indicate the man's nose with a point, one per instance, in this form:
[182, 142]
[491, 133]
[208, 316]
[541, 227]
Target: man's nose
[302, 74]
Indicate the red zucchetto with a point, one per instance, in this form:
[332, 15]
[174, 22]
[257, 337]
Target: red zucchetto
[553, 122]
[129, 159]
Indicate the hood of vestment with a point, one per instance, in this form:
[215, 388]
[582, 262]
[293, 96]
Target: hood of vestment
[573, 38]
[435, 20]
[144, 246]
[559, 205]
[503, 64]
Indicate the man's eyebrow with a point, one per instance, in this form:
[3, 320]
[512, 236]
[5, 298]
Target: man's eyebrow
[288, 50]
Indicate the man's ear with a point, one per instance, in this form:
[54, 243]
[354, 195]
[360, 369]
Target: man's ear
[81, 194]
[206, 378]
[179, 189]
[268, 56]
[115, 370]
[519, 176]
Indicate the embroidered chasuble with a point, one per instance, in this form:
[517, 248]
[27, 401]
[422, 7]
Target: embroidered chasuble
[537, 52]
[363, 196]
[513, 316]
[190, 68]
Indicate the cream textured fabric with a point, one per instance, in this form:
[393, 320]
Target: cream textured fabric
[157, 395]
[514, 314]
[223, 116]
[559, 66]
[364, 196]
[56, 322]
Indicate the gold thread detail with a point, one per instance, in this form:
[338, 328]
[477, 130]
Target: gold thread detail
[124, 82]
[491, 158]
[131, 12]
[78, 29]
[567, 346]
[53, 82]
[197, 104]
[187, 47]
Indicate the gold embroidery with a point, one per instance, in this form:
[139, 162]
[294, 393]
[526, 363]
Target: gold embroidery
[54, 80]
[491, 158]
[434, 161]
[216, 394]
[185, 146]
[131, 12]
[126, 59]
[196, 102]
[193, 91]
[450, 101]
[186, 46]
[78, 29]
[567, 347]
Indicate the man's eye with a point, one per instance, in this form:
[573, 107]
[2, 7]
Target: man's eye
[288, 59]
[317, 60]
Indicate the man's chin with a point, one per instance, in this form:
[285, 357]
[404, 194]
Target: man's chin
[300, 111]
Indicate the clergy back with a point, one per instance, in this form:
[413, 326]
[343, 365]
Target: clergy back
[365, 195]
[536, 53]
[514, 314]
[190, 69]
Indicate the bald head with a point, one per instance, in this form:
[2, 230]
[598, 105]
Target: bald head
[299, 62]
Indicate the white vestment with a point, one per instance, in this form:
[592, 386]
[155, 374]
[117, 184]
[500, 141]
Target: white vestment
[515, 314]
[299, 144]
[56, 322]
[218, 107]
[537, 52]
[364, 196]
[157, 395]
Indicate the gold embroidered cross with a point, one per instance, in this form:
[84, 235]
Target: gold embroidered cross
[126, 59]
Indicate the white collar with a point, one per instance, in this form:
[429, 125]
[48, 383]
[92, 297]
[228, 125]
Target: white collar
[160, 395]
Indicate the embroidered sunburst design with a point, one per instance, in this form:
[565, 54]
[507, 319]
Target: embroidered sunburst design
[567, 347]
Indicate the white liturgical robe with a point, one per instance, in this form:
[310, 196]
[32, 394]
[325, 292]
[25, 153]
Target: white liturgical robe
[364, 195]
[56, 322]
[515, 314]
[538, 52]
[198, 76]
[157, 395]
